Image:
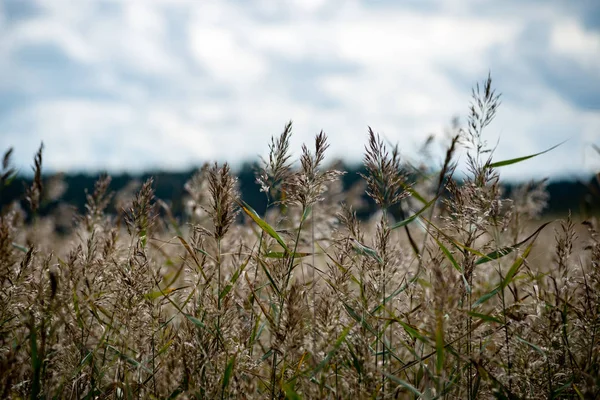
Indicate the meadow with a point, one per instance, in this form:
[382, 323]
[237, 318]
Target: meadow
[468, 295]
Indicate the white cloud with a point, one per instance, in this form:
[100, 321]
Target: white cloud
[47, 31]
[224, 56]
[571, 40]
[172, 84]
[97, 135]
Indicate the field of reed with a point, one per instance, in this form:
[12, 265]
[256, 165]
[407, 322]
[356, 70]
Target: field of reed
[467, 295]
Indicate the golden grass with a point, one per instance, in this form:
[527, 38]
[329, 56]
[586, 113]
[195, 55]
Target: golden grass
[469, 296]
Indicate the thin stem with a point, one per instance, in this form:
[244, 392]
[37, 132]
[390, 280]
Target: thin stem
[260, 241]
[506, 337]
[383, 286]
[273, 374]
[313, 289]
[282, 302]
[292, 256]
[219, 287]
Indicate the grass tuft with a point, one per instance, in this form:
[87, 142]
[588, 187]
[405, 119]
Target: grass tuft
[474, 297]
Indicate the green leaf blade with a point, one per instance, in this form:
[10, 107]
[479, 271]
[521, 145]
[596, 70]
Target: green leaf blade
[414, 216]
[268, 229]
[519, 159]
[404, 384]
[495, 255]
[515, 267]
[228, 373]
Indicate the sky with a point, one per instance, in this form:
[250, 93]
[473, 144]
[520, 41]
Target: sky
[147, 85]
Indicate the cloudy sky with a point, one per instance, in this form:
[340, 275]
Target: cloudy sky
[136, 85]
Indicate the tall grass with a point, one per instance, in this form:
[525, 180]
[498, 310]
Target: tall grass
[468, 295]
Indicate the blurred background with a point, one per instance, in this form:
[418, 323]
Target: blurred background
[139, 86]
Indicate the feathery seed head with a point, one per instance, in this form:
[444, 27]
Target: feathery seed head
[222, 189]
[277, 168]
[306, 186]
[386, 182]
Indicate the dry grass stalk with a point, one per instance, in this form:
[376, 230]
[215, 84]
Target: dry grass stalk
[465, 301]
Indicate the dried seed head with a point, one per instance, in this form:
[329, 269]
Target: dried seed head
[97, 202]
[306, 186]
[34, 193]
[347, 218]
[386, 182]
[277, 168]
[222, 188]
[7, 173]
[141, 216]
[484, 105]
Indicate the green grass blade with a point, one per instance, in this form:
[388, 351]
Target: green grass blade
[515, 267]
[454, 242]
[227, 374]
[7, 320]
[467, 286]
[176, 276]
[449, 256]
[412, 331]
[267, 355]
[414, 216]
[262, 224]
[19, 247]
[484, 317]
[476, 386]
[509, 249]
[164, 348]
[279, 254]
[76, 308]
[234, 279]
[162, 292]
[129, 359]
[306, 213]
[519, 159]
[331, 352]
[205, 253]
[358, 318]
[581, 396]
[356, 361]
[533, 346]
[257, 298]
[404, 384]
[415, 194]
[512, 271]
[198, 323]
[365, 250]
[175, 394]
[264, 268]
[494, 255]
[486, 296]
[290, 393]
[188, 248]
